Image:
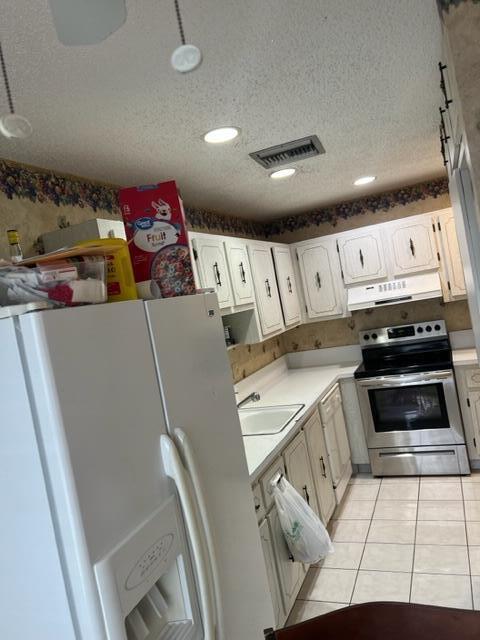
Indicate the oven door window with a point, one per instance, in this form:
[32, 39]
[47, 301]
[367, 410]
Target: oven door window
[409, 408]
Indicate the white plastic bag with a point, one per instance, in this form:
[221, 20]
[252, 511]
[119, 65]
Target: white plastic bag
[305, 535]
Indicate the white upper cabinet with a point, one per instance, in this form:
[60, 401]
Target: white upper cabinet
[321, 278]
[212, 267]
[411, 244]
[361, 255]
[266, 290]
[453, 279]
[240, 273]
[287, 285]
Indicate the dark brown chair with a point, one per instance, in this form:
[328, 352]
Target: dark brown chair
[386, 621]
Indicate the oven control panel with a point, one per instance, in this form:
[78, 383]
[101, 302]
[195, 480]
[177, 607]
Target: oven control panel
[402, 333]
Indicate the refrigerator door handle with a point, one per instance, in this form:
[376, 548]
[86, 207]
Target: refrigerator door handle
[192, 468]
[176, 471]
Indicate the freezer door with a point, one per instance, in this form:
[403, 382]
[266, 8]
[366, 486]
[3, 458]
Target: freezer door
[100, 421]
[197, 389]
[33, 594]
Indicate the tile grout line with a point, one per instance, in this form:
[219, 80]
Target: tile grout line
[468, 547]
[365, 543]
[414, 541]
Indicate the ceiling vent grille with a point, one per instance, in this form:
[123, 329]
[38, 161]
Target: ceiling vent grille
[288, 152]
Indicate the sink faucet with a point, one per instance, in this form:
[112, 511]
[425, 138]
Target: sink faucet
[254, 397]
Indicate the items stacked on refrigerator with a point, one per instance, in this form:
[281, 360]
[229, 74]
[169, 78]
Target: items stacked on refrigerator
[157, 238]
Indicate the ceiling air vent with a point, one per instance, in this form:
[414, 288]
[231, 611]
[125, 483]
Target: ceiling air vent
[288, 152]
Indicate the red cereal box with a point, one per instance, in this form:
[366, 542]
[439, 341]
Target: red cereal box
[157, 238]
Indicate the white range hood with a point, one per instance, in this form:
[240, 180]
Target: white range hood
[419, 287]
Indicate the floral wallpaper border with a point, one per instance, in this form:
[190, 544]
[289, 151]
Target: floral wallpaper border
[45, 186]
[202, 219]
[344, 210]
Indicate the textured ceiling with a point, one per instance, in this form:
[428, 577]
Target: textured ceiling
[360, 74]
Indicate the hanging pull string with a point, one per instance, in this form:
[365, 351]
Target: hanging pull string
[6, 81]
[179, 20]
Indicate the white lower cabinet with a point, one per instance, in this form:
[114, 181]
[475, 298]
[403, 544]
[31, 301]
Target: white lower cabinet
[305, 463]
[299, 473]
[335, 430]
[322, 478]
[291, 574]
[272, 575]
[468, 387]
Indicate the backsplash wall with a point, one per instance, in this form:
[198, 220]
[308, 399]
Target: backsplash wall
[334, 333]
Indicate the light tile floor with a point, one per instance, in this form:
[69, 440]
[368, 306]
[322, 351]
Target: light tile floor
[403, 539]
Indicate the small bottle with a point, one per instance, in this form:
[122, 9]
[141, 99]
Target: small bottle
[16, 254]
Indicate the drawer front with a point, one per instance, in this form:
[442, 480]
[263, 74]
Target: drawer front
[472, 378]
[258, 502]
[264, 482]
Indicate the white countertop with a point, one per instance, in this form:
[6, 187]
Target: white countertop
[464, 357]
[280, 385]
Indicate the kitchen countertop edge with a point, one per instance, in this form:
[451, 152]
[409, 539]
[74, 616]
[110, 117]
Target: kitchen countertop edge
[280, 441]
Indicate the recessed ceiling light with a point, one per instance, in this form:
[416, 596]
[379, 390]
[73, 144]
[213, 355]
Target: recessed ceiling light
[364, 180]
[223, 134]
[282, 173]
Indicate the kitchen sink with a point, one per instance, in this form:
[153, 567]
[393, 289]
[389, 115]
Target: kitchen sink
[264, 421]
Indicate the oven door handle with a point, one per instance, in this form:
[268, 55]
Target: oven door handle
[405, 379]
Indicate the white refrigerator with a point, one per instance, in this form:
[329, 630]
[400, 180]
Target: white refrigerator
[127, 512]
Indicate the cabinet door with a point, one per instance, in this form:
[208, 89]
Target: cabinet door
[317, 451]
[321, 279]
[474, 403]
[335, 432]
[412, 245]
[287, 285]
[272, 575]
[212, 268]
[452, 265]
[299, 473]
[266, 291]
[361, 255]
[341, 433]
[240, 273]
[291, 573]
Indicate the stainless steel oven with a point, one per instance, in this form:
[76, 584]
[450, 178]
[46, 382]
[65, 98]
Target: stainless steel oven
[409, 402]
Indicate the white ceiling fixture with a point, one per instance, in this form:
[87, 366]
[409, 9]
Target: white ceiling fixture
[280, 174]
[222, 134]
[186, 57]
[80, 23]
[364, 180]
[12, 125]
